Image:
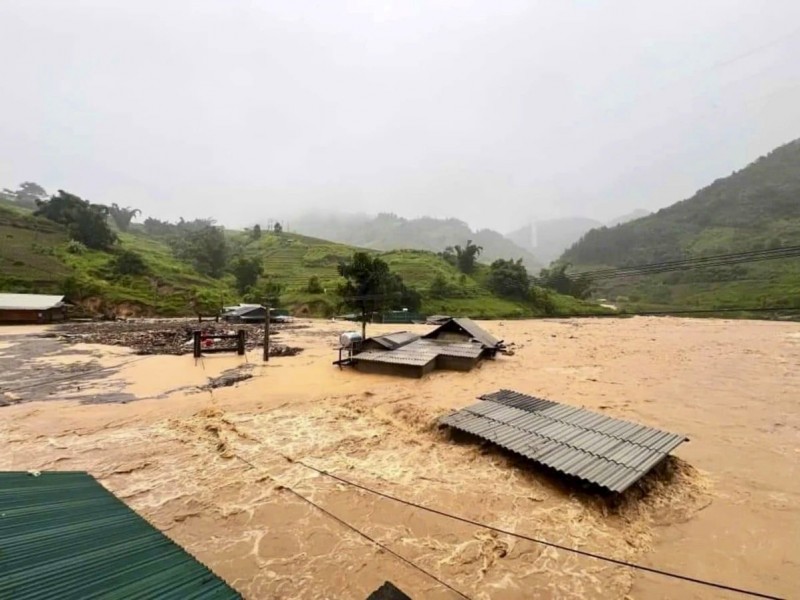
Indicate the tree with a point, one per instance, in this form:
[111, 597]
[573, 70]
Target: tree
[449, 255]
[314, 286]
[277, 228]
[463, 258]
[204, 302]
[269, 291]
[206, 248]
[556, 279]
[371, 287]
[85, 222]
[28, 194]
[123, 216]
[247, 272]
[407, 297]
[156, 227]
[128, 262]
[509, 279]
[439, 287]
[542, 299]
[255, 234]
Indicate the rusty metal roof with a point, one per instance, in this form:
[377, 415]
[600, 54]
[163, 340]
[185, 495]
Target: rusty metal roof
[611, 453]
[63, 535]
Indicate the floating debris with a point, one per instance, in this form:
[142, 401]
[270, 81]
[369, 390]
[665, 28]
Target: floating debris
[164, 336]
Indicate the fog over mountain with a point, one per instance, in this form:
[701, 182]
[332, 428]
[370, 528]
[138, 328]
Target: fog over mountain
[492, 113]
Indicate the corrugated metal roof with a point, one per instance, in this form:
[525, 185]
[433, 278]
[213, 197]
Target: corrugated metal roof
[420, 352]
[437, 319]
[29, 301]
[392, 341]
[245, 309]
[457, 349]
[388, 591]
[478, 332]
[471, 328]
[63, 535]
[609, 452]
[395, 357]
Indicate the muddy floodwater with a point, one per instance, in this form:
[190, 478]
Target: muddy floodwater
[213, 467]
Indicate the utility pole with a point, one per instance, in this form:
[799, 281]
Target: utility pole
[363, 320]
[266, 333]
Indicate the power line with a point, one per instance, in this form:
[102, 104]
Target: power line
[585, 553]
[691, 263]
[377, 543]
[362, 534]
[691, 311]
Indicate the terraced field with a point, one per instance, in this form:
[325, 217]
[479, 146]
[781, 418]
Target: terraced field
[35, 257]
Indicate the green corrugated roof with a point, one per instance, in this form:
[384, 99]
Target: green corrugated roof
[63, 535]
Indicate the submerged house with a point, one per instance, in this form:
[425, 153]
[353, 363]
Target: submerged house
[466, 330]
[254, 313]
[31, 308]
[244, 313]
[451, 346]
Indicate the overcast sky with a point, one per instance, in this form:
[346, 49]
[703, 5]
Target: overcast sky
[490, 111]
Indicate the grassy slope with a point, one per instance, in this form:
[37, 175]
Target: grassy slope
[753, 209]
[34, 257]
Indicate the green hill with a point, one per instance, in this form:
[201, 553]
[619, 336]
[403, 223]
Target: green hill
[390, 232]
[755, 208]
[36, 255]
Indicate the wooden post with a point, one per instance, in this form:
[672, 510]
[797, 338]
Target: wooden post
[196, 347]
[266, 334]
[363, 320]
[240, 342]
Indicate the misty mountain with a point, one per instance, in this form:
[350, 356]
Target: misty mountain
[548, 239]
[756, 208]
[390, 232]
[627, 218]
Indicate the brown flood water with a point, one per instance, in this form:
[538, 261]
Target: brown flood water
[209, 469]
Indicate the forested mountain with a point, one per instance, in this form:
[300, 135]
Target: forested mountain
[626, 218]
[390, 232]
[755, 208]
[548, 239]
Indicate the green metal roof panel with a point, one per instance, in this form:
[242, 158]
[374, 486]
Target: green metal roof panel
[63, 535]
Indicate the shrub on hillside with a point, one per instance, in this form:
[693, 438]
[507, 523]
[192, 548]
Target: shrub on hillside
[75, 247]
[314, 286]
[128, 262]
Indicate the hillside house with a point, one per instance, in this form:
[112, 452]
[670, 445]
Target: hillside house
[19, 309]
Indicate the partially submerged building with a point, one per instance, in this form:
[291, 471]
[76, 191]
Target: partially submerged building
[253, 313]
[456, 345]
[466, 330]
[31, 308]
[601, 450]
